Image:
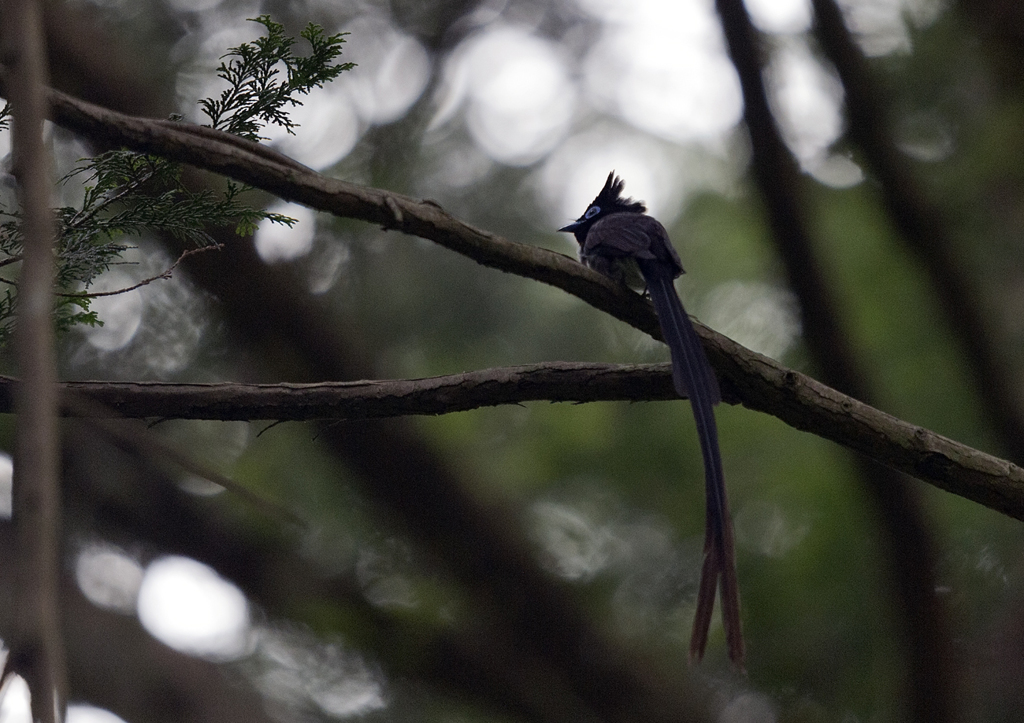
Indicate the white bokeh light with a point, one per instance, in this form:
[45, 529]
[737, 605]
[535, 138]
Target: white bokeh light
[575, 546]
[749, 707]
[837, 170]
[327, 129]
[577, 170]
[326, 266]
[189, 607]
[108, 577]
[14, 701]
[121, 314]
[6, 487]
[519, 95]
[194, 6]
[925, 136]
[760, 317]
[294, 669]
[780, 16]
[880, 26]
[84, 713]
[768, 529]
[392, 70]
[657, 172]
[807, 100]
[15, 706]
[205, 40]
[662, 66]
[277, 242]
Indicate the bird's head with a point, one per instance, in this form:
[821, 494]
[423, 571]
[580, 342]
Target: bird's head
[608, 201]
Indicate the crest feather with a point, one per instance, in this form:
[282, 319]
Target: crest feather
[610, 198]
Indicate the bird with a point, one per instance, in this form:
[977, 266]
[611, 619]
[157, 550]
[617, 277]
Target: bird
[618, 239]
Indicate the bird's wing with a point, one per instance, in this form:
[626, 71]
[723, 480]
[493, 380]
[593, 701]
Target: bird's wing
[631, 234]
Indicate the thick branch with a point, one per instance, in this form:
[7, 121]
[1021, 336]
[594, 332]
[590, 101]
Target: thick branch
[265, 169]
[761, 385]
[552, 381]
[752, 380]
[757, 385]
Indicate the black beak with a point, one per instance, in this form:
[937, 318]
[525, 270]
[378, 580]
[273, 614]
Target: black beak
[571, 227]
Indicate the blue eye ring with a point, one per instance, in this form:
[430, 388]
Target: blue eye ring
[592, 211]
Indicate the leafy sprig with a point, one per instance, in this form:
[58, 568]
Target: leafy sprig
[127, 194]
[258, 94]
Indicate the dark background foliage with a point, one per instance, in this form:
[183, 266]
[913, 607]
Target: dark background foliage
[388, 604]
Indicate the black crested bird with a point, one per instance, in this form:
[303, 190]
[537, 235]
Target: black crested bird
[618, 239]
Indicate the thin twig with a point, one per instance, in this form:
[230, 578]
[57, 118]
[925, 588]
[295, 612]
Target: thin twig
[269, 427]
[166, 274]
[128, 188]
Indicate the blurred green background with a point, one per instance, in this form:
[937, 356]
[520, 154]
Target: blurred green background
[509, 113]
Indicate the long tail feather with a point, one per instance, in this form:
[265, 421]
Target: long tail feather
[693, 377]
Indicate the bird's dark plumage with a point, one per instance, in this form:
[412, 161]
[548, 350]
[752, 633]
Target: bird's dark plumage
[618, 239]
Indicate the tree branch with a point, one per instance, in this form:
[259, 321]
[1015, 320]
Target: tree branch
[551, 381]
[37, 650]
[281, 176]
[165, 274]
[752, 380]
[762, 384]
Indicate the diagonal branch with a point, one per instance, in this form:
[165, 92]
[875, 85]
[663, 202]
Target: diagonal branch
[265, 169]
[163, 275]
[283, 178]
[762, 385]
